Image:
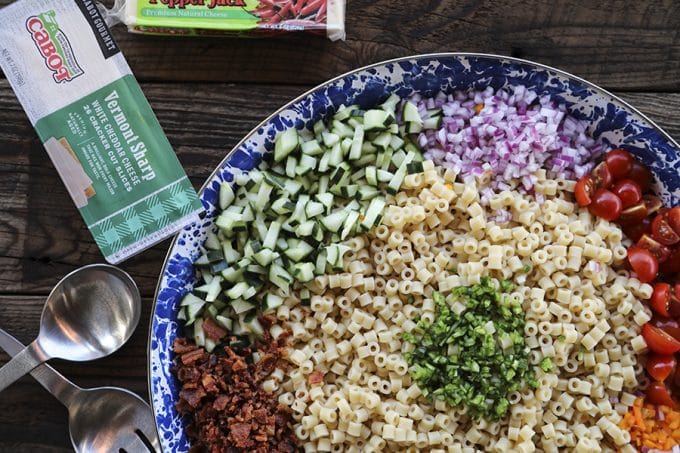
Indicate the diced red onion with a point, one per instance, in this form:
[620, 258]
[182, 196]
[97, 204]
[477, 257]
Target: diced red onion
[515, 133]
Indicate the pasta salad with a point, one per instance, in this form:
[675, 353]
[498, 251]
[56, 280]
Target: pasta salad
[438, 275]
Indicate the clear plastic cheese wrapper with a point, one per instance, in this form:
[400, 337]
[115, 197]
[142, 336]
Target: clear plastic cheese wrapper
[231, 17]
[95, 123]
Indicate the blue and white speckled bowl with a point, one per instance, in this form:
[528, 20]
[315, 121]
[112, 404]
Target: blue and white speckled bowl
[612, 121]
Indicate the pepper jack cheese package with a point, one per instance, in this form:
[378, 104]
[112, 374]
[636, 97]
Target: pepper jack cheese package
[95, 123]
[231, 17]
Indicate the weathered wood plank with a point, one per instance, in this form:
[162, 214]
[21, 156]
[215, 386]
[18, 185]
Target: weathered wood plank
[41, 235]
[31, 419]
[620, 44]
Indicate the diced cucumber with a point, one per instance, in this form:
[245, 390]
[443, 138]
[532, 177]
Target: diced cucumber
[199, 333]
[373, 213]
[241, 306]
[253, 325]
[349, 224]
[377, 119]
[298, 249]
[432, 123]
[279, 276]
[285, 143]
[271, 302]
[226, 196]
[311, 148]
[410, 113]
[303, 272]
[333, 222]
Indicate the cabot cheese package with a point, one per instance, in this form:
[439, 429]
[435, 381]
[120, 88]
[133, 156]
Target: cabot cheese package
[95, 123]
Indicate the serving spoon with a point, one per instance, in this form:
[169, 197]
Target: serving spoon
[104, 419]
[89, 314]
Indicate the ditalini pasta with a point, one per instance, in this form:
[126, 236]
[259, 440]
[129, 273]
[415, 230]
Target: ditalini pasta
[350, 388]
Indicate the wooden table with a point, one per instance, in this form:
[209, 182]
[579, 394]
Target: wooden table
[208, 93]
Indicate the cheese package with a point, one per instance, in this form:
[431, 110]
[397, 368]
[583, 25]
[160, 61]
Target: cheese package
[95, 123]
[231, 17]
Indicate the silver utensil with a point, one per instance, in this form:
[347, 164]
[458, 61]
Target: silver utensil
[89, 314]
[104, 419]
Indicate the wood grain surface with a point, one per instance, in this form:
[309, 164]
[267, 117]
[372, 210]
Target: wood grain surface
[209, 93]
[620, 44]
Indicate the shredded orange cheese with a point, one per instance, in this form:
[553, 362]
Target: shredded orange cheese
[646, 431]
[478, 108]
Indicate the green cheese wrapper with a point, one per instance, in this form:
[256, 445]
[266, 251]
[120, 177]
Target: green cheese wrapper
[95, 123]
[232, 17]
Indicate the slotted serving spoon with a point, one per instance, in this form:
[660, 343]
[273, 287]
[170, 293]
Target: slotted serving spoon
[103, 419]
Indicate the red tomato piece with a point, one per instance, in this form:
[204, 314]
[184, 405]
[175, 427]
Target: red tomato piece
[605, 205]
[584, 190]
[659, 340]
[628, 191]
[633, 214]
[643, 263]
[662, 231]
[658, 393]
[602, 176]
[652, 203]
[619, 162]
[660, 366]
[672, 264]
[641, 175]
[660, 299]
[635, 230]
[660, 251]
[673, 217]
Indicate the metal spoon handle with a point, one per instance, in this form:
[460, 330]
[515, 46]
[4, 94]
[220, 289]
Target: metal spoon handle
[53, 381]
[23, 362]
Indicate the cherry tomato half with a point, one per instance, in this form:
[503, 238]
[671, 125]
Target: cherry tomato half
[602, 176]
[643, 263]
[673, 217]
[662, 231]
[628, 191]
[619, 162]
[660, 299]
[584, 190]
[605, 205]
[633, 214]
[640, 174]
[672, 264]
[660, 251]
[660, 366]
[659, 340]
[652, 203]
[658, 393]
[635, 230]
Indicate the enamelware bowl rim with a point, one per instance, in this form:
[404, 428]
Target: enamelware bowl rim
[432, 56]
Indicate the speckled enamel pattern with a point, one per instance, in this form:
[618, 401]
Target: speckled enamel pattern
[612, 121]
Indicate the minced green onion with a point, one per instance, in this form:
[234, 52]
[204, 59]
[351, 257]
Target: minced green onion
[546, 364]
[474, 357]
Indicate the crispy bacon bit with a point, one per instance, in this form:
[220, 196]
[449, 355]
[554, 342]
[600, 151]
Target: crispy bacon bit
[316, 377]
[190, 357]
[212, 330]
[228, 411]
[240, 435]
